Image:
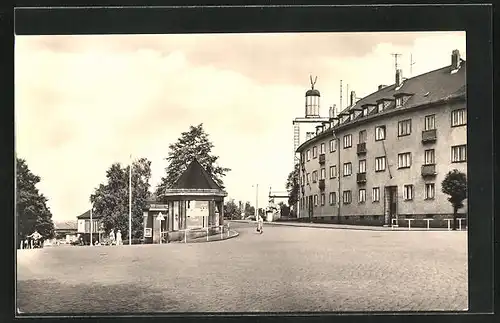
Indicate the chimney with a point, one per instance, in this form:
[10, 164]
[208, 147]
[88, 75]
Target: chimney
[381, 86]
[353, 98]
[334, 109]
[399, 77]
[455, 59]
[330, 113]
[318, 130]
[308, 135]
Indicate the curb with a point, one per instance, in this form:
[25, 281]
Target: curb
[233, 234]
[364, 228]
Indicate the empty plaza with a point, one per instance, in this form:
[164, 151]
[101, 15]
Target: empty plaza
[285, 269]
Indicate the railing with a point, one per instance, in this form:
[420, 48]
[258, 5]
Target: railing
[428, 170]
[429, 135]
[394, 222]
[322, 159]
[207, 232]
[361, 178]
[321, 184]
[361, 149]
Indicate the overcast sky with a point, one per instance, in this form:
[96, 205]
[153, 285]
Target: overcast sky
[85, 102]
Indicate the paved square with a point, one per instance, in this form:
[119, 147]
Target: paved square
[284, 269]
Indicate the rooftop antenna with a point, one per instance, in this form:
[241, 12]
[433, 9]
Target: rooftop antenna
[312, 83]
[411, 64]
[340, 96]
[396, 59]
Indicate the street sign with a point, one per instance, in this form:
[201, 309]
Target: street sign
[160, 217]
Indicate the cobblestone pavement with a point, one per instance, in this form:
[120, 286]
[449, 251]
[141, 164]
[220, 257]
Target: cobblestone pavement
[284, 269]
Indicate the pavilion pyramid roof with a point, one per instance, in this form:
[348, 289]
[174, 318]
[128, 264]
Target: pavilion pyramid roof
[195, 177]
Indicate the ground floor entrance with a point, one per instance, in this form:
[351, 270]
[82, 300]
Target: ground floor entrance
[390, 204]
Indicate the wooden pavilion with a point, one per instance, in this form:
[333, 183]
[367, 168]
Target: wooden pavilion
[195, 201]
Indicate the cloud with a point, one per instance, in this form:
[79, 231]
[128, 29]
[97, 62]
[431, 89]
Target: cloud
[85, 102]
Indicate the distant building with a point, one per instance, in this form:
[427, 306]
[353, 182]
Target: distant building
[195, 201]
[384, 157]
[84, 226]
[67, 230]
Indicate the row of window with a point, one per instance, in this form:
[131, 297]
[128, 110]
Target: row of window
[458, 154]
[458, 118]
[408, 195]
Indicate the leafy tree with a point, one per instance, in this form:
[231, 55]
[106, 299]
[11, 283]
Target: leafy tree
[32, 212]
[192, 144]
[284, 209]
[111, 200]
[231, 210]
[292, 186]
[455, 185]
[249, 210]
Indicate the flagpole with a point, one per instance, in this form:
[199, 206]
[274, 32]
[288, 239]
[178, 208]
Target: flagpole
[91, 206]
[130, 203]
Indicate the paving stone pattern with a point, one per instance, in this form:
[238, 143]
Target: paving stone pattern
[286, 269]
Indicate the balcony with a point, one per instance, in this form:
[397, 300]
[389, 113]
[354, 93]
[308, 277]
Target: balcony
[321, 184]
[429, 136]
[361, 148]
[428, 170]
[361, 178]
[321, 159]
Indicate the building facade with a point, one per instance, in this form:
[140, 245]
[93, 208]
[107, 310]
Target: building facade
[84, 227]
[383, 158]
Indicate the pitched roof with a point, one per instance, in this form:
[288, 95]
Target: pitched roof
[86, 215]
[195, 177]
[65, 225]
[424, 88]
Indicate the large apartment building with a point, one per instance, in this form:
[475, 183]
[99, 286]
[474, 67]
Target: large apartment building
[383, 158]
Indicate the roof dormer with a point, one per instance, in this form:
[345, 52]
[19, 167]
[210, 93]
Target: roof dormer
[383, 104]
[401, 98]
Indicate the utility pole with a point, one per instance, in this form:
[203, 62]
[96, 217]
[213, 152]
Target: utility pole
[91, 224]
[130, 203]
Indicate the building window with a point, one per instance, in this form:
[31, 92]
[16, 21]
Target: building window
[333, 145]
[408, 192]
[308, 154]
[380, 164]
[379, 133]
[362, 136]
[322, 174]
[322, 148]
[430, 122]
[429, 157]
[332, 198]
[459, 154]
[429, 191]
[347, 197]
[404, 160]
[380, 107]
[315, 151]
[362, 196]
[458, 117]
[348, 141]
[399, 102]
[322, 199]
[365, 111]
[333, 171]
[347, 169]
[362, 166]
[404, 128]
[306, 203]
[376, 194]
[308, 178]
[315, 176]
[315, 199]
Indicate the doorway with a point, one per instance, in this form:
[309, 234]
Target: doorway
[310, 207]
[391, 204]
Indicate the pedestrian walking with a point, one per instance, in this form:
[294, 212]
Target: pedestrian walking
[260, 222]
[112, 237]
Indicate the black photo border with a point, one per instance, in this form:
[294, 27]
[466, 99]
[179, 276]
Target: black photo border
[476, 20]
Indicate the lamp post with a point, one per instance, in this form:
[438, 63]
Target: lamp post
[91, 207]
[256, 200]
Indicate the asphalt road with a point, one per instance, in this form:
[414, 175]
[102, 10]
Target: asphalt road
[285, 269]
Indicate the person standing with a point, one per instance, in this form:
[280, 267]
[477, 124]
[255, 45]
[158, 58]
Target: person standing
[260, 222]
[112, 236]
[118, 238]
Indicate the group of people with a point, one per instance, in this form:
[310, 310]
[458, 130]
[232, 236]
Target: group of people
[116, 240]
